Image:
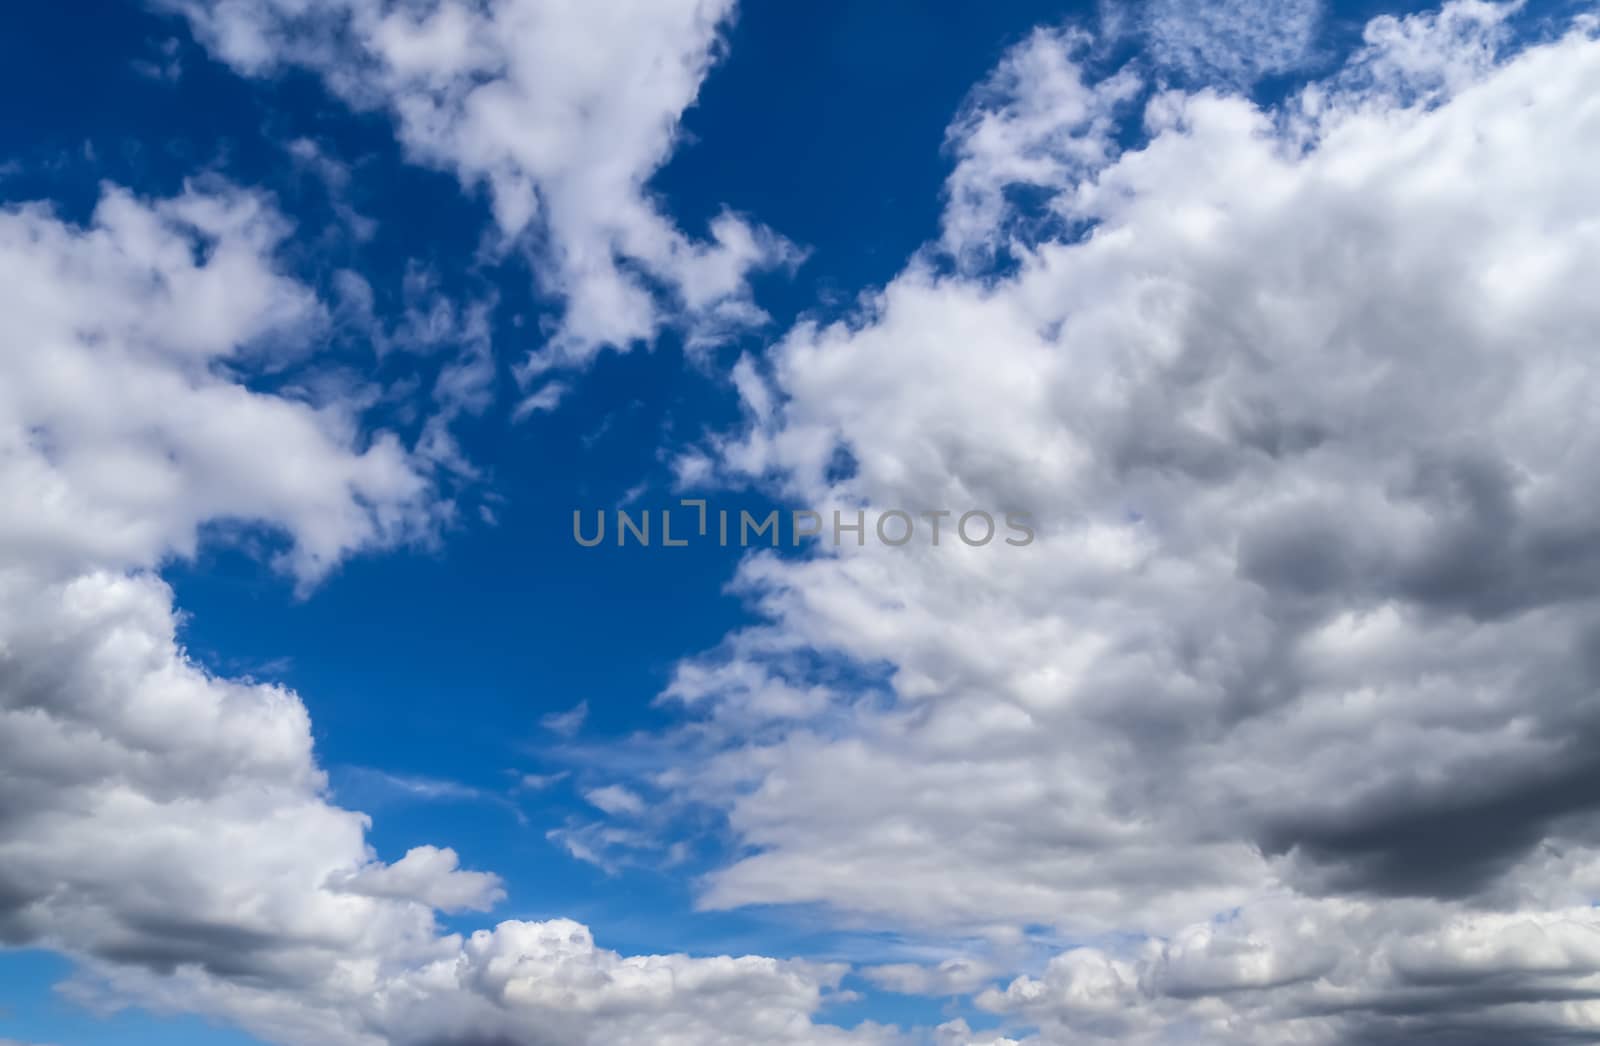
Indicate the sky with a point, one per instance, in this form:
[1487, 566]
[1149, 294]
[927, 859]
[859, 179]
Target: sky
[1263, 331]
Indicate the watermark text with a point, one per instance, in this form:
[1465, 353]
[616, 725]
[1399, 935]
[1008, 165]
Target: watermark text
[694, 520]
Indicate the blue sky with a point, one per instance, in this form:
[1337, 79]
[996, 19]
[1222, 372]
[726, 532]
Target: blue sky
[1131, 265]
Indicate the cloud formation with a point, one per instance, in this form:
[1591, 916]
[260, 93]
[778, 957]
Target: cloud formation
[561, 110]
[1296, 686]
[171, 829]
[1280, 732]
[123, 430]
[1236, 42]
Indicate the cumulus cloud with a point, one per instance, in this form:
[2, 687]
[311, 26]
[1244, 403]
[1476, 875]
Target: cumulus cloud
[959, 1033]
[561, 110]
[1296, 683]
[1328, 971]
[123, 432]
[520, 984]
[427, 874]
[169, 828]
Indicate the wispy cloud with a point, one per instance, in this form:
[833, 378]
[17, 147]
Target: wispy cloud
[568, 723]
[615, 799]
[366, 786]
[1236, 42]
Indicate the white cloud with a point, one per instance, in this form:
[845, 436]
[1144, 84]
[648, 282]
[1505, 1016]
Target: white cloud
[562, 110]
[958, 976]
[168, 828]
[166, 66]
[524, 983]
[959, 1033]
[1235, 41]
[615, 799]
[413, 786]
[1328, 972]
[546, 398]
[1433, 54]
[539, 782]
[568, 723]
[1036, 121]
[123, 432]
[1301, 400]
[426, 874]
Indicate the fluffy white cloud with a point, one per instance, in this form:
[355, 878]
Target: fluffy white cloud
[1329, 971]
[1300, 398]
[520, 984]
[959, 1033]
[562, 110]
[171, 829]
[122, 429]
[426, 874]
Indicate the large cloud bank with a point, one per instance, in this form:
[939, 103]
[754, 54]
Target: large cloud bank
[1288, 716]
